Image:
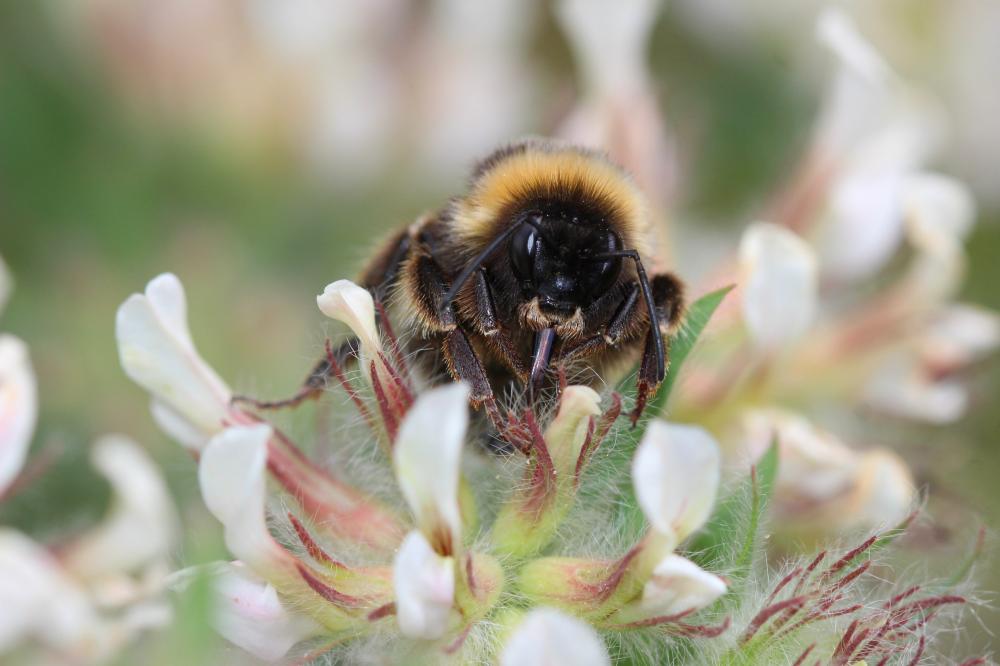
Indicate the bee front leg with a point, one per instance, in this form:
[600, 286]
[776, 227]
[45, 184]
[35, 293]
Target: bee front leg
[668, 298]
[425, 281]
[488, 322]
[464, 365]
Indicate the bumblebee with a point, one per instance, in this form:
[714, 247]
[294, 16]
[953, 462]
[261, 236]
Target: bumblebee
[538, 265]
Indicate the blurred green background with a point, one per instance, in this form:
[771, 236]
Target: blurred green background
[98, 194]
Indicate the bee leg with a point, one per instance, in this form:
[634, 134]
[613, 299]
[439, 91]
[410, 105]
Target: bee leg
[489, 326]
[315, 383]
[668, 298]
[464, 365]
[620, 322]
[377, 277]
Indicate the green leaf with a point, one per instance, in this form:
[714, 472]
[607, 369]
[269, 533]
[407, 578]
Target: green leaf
[729, 539]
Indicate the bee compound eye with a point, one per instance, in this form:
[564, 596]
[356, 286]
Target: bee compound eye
[523, 247]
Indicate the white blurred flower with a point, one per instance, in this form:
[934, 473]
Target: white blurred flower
[18, 408]
[548, 637]
[89, 600]
[874, 132]
[190, 401]
[902, 386]
[487, 94]
[822, 483]
[958, 335]
[139, 529]
[424, 583]
[779, 284]
[41, 602]
[618, 111]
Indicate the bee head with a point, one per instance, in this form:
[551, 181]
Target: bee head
[543, 217]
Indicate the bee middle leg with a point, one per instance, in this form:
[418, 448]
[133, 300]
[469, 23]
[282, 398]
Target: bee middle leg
[377, 278]
[316, 381]
[668, 299]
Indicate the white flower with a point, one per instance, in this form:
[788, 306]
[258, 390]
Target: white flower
[154, 344]
[679, 585]
[40, 602]
[424, 583]
[140, 527]
[902, 386]
[960, 334]
[779, 284]
[426, 457]
[823, 483]
[18, 408]
[249, 613]
[609, 39]
[353, 305]
[874, 132]
[231, 474]
[675, 472]
[548, 637]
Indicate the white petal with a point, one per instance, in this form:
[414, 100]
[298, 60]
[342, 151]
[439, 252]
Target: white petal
[353, 305]
[548, 637]
[424, 583]
[18, 407]
[678, 585]
[939, 210]
[568, 431]
[675, 472]
[40, 602]
[859, 90]
[249, 614]
[779, 284]
[141, 525]
[837, 31]
[863, 227]
[427, 455]
[156, 351]
[231, 474]
[176, 426]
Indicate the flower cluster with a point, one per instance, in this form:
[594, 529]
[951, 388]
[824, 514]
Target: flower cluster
[429, 563]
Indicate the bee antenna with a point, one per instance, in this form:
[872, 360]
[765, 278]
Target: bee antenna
[647, 296]
[471, 267]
